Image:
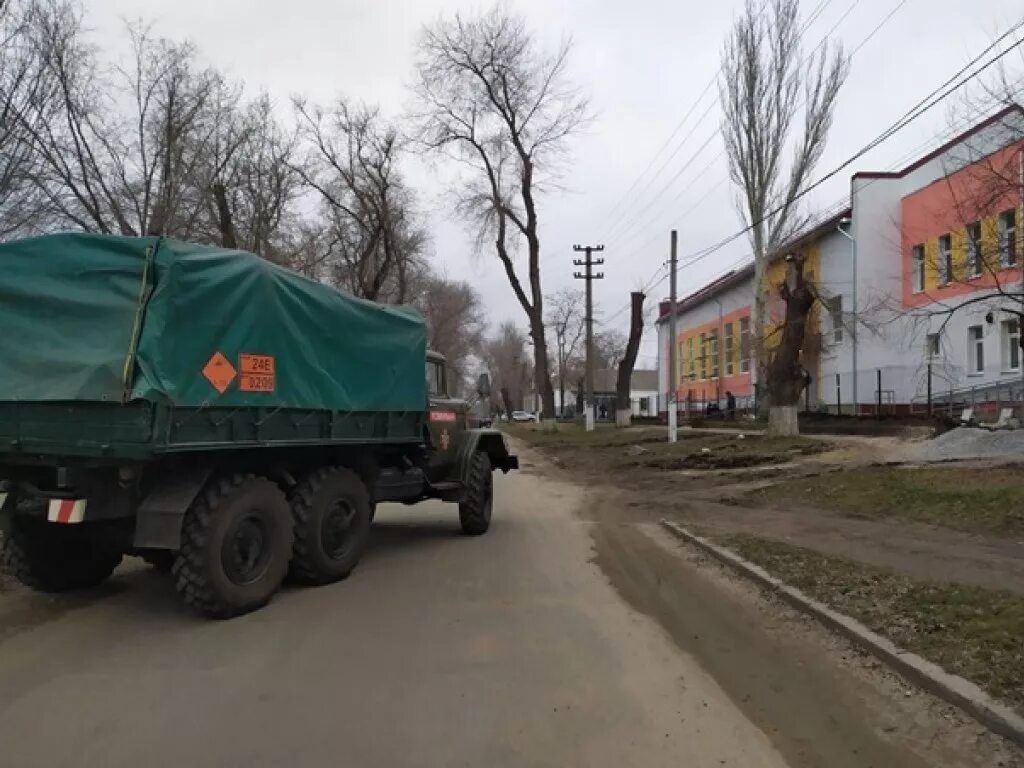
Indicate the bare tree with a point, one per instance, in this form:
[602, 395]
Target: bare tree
[495, 101]
[623, 406]
[609, 348]
[251, 186]
[567, 319]
[506, 358]
[24, 96]
[352, 163]
[130, 171]
[766, 85]
[455, 322]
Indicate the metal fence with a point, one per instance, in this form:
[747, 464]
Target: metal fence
[986, 399]
[885, 391]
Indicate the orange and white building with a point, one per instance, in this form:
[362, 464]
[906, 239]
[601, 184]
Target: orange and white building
[941, 234]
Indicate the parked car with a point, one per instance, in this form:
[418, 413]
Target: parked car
[521, 416]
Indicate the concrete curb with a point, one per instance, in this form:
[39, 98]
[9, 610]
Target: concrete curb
[931, 677]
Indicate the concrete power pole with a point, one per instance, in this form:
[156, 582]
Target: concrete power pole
[589, 276]
[672, 415]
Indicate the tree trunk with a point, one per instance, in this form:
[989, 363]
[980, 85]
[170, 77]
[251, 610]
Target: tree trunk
[783, 421]
[787, 376]
[506, 398]
[541, 374]
[623, 405]
[561, 388]
[759, 322]
[224, 219]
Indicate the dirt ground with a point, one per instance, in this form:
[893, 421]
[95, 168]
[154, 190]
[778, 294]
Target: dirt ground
[709, 492]
[821, 701]
[838, 497]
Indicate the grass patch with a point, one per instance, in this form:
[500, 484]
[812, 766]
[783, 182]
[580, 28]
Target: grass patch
[977, 500]
[969, 631]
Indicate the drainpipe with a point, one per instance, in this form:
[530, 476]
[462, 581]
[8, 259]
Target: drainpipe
[844, 222]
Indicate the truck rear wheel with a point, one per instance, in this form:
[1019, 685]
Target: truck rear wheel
[235, 544]
[332, 510]
[475, 511]
[50, 557]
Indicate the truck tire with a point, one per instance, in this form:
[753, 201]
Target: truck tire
[57, 558]
[236, 540]
[475, 511]
[332, 510]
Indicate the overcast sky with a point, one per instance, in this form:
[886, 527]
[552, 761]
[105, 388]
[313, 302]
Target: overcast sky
[644, 63]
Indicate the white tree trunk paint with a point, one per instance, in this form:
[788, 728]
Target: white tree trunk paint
[783, 421]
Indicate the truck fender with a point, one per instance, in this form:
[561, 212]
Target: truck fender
[492, 442]
[162, 511]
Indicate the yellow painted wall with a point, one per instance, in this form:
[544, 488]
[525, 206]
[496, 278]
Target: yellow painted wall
[989, 249]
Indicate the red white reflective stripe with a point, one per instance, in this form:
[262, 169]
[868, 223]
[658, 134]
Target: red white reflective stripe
[67, 511]
[443, 416]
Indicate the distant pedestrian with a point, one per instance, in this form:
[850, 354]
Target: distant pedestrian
[730, 404]
[604, 411]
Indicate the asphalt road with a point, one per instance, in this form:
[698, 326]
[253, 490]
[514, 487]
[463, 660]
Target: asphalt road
[539, 644]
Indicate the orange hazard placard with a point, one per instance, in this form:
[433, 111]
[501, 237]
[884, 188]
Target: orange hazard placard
[219, 372]
[258, 373]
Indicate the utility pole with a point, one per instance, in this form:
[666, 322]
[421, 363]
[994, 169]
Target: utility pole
[672, 415]
[589, 262]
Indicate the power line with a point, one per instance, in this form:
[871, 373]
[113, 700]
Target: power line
[910, 116]
[627, 195]
[670, 182]
[722, 151]
[914, 113]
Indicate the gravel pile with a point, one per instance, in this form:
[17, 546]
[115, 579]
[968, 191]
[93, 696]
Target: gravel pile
[972, 443]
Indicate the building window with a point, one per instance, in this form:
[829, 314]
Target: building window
[974, 250]
[931, 346]
[835, 313]
[713, 339]
[729, 346]
[918, 266]
[1008, 238]
[976, 349]
[1011, 345]
[945, 259]
[703, 356]
[691, 359]
[745, 345]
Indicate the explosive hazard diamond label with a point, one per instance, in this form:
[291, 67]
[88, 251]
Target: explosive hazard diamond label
[219, 372]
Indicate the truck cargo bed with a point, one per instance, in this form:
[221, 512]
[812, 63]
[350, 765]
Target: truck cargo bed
[140, 430]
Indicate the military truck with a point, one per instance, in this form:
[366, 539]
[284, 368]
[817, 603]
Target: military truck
[219, 416]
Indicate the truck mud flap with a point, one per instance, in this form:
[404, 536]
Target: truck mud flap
[6, 506]
[158, 524]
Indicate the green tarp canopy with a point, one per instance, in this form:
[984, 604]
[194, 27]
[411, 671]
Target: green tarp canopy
[101, 318]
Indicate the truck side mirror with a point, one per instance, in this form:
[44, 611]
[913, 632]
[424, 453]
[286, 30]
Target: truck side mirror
[483, 385]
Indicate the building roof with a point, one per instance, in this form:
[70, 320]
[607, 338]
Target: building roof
[958, 139]
[813, 231]
[642, 379]
[729, 280]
